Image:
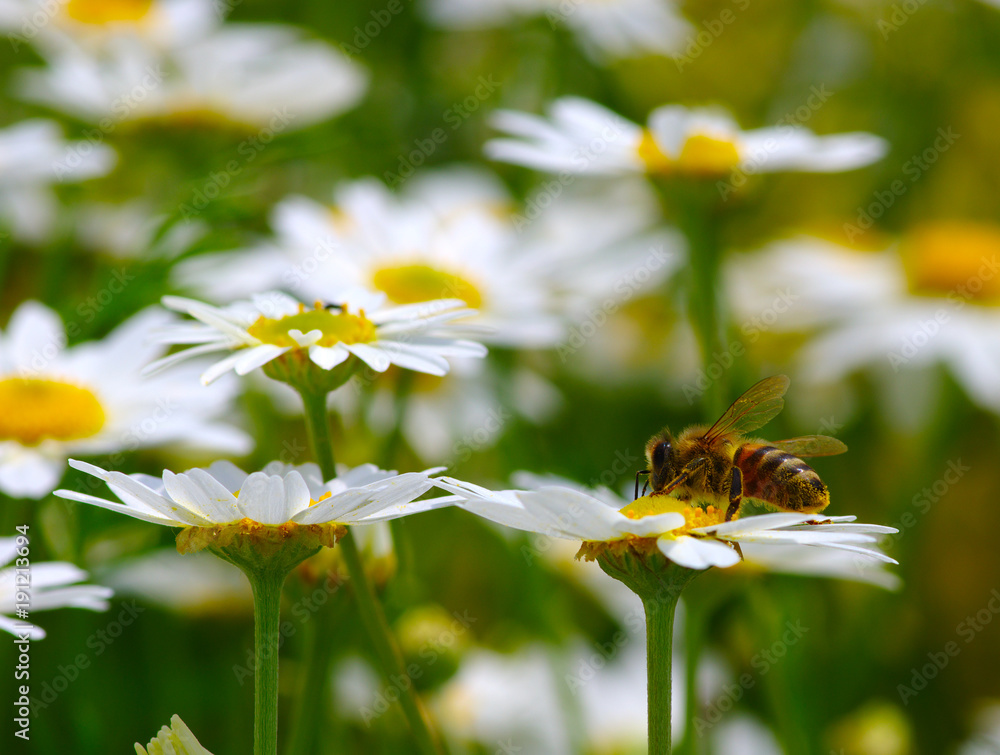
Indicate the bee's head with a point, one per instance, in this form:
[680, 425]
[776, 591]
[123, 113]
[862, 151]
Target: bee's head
[660, 459]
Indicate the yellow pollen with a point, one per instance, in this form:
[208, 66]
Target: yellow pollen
[957, 259]
[321, 498]
[410, 284]
[108, 11]
[694, 516]
[33, 410]
[704, 155]
[335, 327]
[651, 154]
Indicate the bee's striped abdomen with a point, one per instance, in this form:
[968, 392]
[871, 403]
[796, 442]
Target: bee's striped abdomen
[778, 477]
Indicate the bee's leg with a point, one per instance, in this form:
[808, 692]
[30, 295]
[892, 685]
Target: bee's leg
[686, 474]
[735, 494]
[640, 472]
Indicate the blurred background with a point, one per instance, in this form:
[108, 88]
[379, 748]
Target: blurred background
[178, 131]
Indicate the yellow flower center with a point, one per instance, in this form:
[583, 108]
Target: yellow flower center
[108, 11]
[956, 259]
[33, 410]
[411, 284]
[701, 155]
[651, 154]
[335, 327]
[694, 516]
[705, 155]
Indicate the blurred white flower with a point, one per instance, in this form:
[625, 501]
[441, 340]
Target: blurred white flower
[511, 699]
[223, 494]
[50, 584]
[34, 156]
[263, 78]
[417, 337]
[92, 23]
[686, 534]
[581, 136]
[607, 29]
[985, 739]
[454, 234]
[932, 298]
[90, 398]
[133, 230]
[196, 584]
[175, 739]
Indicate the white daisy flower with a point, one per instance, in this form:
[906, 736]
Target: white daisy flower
[800, 560]
[264, 78]
[582, 137]
[415, 337]
[133, 230]
[176, 739]
[454, 234]
[690, 536]
[92, 23]
[52, 585]
[223, 494]
[932, 298]
[33, 157]
[607, 29]
[57, 401]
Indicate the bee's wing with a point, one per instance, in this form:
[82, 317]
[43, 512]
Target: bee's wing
[755, 408]
[811, 445]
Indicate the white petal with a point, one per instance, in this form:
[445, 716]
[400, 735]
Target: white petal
[328, 357]
[258, 356]
[698, 553]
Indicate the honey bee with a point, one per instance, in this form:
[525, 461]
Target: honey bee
[719, 464]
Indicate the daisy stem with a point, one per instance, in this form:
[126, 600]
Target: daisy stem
[318, 429]
[694, 209]
[266, 586]
[379, 633]
[659, 641]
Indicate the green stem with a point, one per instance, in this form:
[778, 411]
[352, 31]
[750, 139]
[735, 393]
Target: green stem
[389, 655]
[659, 644]
[266, 587]
[693, 208]
[318, 428]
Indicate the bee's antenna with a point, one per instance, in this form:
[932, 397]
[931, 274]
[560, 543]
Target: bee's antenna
[641, 472]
